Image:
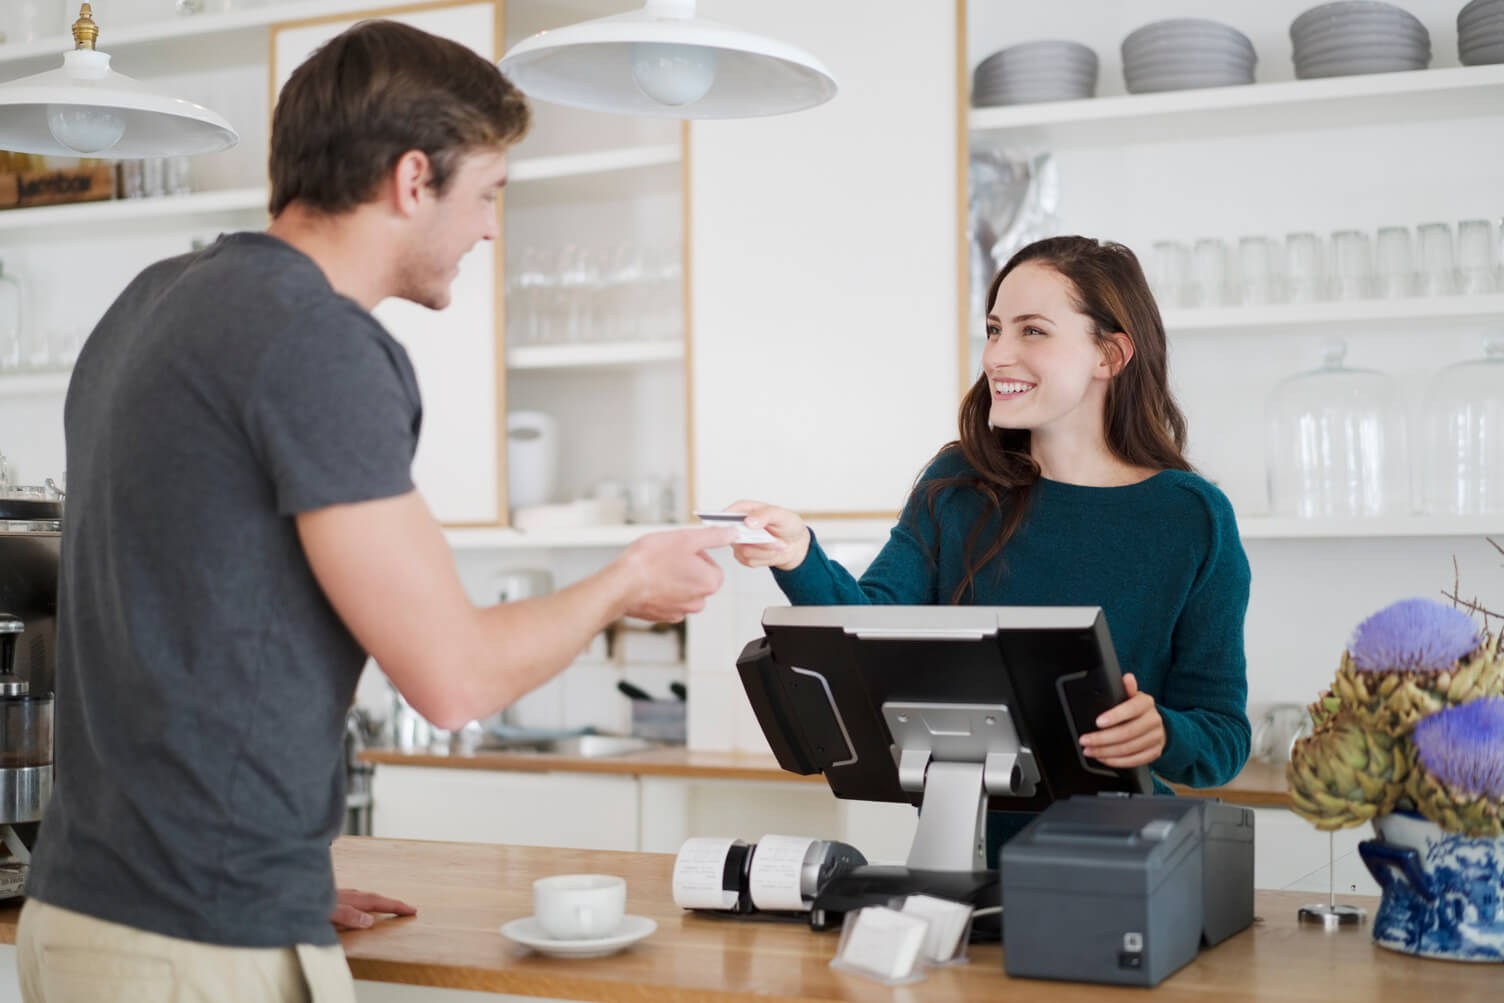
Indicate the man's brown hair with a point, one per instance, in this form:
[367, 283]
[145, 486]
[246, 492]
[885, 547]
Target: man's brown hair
[371, 94]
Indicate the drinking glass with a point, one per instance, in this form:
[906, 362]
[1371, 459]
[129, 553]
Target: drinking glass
[1396, 271]
[1476, 257]
[1259, 271]
[1352, 265]
[1170, 273]
[1307, 267]
[132, 180]
[1209, 273]
[1438, 267]
[624, 278]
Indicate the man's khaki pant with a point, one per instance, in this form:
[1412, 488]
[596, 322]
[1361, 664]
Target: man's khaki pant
[66, 957]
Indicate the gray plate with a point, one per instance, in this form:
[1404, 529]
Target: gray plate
[1353, 13]
[1478, 10]
[1209, 46]
[1352, 67]
[1175, 29]
[1034, 77]
[1071, 57]
[1361, 49]
[1046, 48]
[1483, 36]
[1484, 56]
[1187, 62]
[1396, 30]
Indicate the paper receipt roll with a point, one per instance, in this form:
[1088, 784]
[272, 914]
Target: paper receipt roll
[699, 874]
[775, 881]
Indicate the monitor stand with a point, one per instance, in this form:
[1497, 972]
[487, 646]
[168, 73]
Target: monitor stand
[956, 756]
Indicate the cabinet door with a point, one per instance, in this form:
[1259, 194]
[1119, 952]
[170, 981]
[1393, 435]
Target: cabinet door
[581, 811]
[455, 352]
[823, 254]
[1292, 855]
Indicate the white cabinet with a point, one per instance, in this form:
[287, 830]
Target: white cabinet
[1290, 854]
[588, 811]
[823, 265]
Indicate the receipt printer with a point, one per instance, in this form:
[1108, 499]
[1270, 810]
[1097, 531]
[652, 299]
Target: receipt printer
[1124, 889]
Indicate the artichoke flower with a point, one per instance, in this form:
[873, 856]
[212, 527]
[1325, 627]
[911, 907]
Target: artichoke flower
[1458, 780]
[1412, 659]
[1325, 710]
[1345, 775]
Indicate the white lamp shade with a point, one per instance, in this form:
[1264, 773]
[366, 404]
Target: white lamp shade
[155, 125]
[590, 65]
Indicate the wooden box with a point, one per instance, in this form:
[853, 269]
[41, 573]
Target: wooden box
[51, 187]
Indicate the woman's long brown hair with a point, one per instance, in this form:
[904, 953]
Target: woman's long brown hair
[1144, 426]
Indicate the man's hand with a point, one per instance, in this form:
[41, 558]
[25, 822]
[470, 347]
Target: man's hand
[1130, 734]
[671, 574]
[355, 910]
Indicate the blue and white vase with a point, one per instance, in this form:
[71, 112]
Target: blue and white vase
[1443, 892]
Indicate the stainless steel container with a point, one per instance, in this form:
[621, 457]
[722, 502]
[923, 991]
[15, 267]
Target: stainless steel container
[30, 542]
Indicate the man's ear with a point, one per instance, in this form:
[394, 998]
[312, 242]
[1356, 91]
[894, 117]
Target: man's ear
[410, 179]
[1116, 353]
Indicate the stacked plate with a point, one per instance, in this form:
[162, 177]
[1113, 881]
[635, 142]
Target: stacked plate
[1035, 71]
[1186, 52]
[1358, 36]
[1480, 32]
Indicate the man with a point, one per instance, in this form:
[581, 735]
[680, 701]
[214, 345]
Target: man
[242, 530]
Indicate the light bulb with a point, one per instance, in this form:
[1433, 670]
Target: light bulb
[84, 129]
[674, 75]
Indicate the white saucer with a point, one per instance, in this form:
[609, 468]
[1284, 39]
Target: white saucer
[529, 933]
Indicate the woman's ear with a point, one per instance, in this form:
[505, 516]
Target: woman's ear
[1116, 353]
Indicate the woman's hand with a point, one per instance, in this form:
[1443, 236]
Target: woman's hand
[355, 910]
[1130, 734]
[789, 530]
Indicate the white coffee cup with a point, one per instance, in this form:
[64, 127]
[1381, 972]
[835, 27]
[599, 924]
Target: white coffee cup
[579, 906]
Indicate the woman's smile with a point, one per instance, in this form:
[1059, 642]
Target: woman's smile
[1005, 390]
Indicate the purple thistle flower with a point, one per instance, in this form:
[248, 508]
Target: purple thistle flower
[1463, 746]
[1413, 635]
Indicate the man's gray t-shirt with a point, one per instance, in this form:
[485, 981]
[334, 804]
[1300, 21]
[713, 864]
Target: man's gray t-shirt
[203, 678]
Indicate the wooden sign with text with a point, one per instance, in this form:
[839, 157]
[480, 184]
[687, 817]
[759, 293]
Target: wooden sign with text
[73, 184]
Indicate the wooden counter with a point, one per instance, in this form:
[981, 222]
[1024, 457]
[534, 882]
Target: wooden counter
[1259, 784]
[464, 892]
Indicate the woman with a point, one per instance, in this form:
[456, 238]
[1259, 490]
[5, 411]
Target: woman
[1068, 487]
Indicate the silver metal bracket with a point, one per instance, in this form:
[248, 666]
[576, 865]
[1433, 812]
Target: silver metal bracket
[957, 755]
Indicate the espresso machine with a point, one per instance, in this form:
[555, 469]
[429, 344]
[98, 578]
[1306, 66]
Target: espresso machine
[30, 540]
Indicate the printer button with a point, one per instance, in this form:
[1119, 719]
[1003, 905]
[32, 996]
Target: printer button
[1157, 829]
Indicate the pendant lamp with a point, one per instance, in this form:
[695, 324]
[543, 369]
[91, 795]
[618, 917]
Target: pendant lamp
[663, 61]
[86, 109]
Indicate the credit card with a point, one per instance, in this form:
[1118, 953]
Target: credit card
[744, 535]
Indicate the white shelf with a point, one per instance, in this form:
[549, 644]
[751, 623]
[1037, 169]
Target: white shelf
[1286, 528]
[114, 39]
[110, 211]
[1372, 313]
[1376, 312]
[25, 384]
[571, 165]
[594, 355]
[572, 175]
[1337, 102]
